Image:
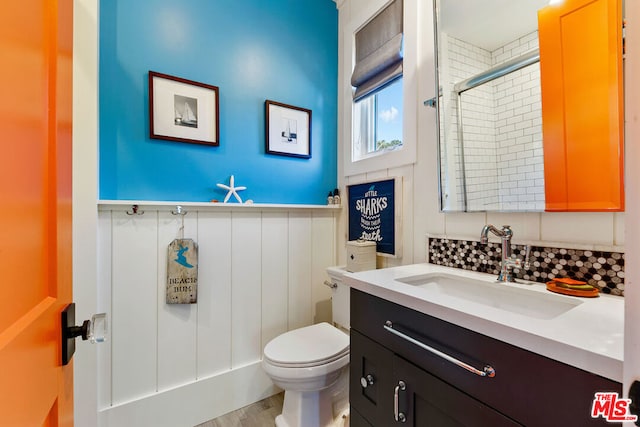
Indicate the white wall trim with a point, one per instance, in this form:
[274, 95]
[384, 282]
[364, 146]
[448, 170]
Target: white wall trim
[194, 403]
[110, 205]
[85, 194]
[631, 370]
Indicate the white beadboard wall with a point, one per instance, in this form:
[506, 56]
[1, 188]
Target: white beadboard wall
[261, 273]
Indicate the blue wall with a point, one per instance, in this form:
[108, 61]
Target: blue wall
[253, 50]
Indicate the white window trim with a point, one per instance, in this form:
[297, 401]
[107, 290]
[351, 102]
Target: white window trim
[367, 128]
[361, 12]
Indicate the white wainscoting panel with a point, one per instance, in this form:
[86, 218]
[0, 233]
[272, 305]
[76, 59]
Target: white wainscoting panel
[104, 280]
[260, 273]
[275, 277]
[300, 305]
[246, 296]
[323, 236]
[134, 316]
[177, 323]
[214, 293]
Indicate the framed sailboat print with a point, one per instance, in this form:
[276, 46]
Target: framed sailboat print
[288, 130]
[183, 110]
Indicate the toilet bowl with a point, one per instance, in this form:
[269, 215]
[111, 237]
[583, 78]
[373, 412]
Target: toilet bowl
[311, 365]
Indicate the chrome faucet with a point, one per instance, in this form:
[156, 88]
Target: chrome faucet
[508, 261]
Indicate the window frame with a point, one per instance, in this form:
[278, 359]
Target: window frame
[385, 159]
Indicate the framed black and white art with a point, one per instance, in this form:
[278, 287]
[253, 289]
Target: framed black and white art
[183, 110]
[288, 130]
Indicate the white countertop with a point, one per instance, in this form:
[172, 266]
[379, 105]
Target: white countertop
[589, 336]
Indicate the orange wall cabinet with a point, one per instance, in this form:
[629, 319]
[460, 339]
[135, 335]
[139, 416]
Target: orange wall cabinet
[582, 105]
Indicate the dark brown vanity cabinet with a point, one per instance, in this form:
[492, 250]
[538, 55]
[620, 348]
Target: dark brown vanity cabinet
[394, 381]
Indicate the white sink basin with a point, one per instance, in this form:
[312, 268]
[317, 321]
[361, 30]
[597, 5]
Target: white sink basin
[507, 297]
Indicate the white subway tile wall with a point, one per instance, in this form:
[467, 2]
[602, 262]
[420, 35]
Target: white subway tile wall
[502, 127]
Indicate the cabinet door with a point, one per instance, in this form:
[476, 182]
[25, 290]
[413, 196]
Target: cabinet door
[357, 420]
[582, 105]
[428, 401]
[373, 363]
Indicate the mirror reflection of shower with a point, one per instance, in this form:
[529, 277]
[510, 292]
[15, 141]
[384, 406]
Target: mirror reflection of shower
[186, 111]
[491, 155]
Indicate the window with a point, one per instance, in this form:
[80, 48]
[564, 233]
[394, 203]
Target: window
[377, 122]
[377, 81]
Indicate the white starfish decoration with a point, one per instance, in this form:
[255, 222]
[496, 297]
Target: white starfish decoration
[232, 190]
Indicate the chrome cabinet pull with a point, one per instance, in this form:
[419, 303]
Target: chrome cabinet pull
[397, 415]
[487, 371]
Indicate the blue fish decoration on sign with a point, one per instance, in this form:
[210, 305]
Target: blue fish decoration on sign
[182, 272]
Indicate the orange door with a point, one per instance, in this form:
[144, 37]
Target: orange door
[582, 105]
[35, 215]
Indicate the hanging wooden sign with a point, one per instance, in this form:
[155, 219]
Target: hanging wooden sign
[182, 272]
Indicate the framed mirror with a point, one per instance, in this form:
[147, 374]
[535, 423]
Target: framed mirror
[490, 112]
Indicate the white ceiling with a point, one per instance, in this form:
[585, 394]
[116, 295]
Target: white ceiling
[489, 23]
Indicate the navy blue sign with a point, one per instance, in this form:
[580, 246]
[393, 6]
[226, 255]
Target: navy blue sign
[372, 214]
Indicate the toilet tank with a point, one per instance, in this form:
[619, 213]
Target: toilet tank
[339, 298]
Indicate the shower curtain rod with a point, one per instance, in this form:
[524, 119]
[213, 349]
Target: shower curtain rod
[493, 73]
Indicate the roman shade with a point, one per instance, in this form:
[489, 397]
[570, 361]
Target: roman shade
[378, 52]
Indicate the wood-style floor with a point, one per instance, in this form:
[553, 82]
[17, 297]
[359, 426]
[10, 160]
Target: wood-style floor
[259, 414]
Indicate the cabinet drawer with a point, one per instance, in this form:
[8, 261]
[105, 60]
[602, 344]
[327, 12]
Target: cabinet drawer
[527, 387]
[423, 400]
[428, 401]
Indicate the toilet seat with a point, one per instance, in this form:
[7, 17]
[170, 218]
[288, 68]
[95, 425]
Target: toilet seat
[307, 347]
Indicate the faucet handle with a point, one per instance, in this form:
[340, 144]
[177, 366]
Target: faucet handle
[527, 252]
[521, 263]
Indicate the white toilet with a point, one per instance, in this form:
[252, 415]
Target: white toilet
[311, 365]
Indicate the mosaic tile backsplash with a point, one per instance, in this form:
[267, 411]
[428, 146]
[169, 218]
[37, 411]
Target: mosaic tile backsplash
[604, 270]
